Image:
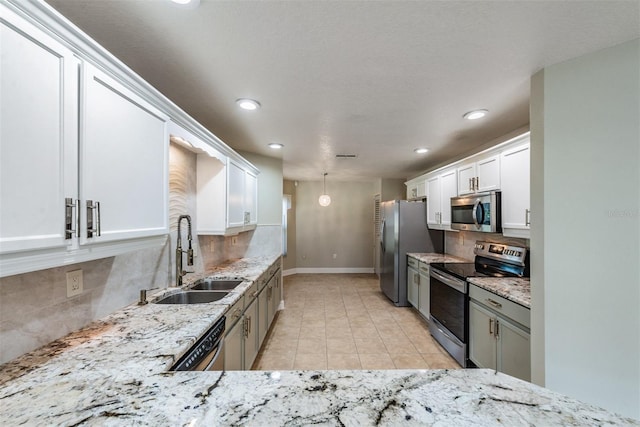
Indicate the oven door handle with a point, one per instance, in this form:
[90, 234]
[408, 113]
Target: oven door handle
[458, 285]
[218, 353]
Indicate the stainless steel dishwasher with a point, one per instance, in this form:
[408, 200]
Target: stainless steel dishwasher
[208, 352]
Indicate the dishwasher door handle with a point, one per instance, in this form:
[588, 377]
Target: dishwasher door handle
[219, 352]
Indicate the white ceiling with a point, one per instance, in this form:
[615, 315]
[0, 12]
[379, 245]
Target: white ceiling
[372, 78]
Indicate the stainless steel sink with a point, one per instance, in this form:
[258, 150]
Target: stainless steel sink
[192, 297]
[215, 284]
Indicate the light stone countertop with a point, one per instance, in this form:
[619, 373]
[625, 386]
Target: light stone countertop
[431, 257]
[114, 372]
[516, 289]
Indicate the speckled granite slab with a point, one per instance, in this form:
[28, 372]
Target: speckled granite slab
[331, 398]
[514, 289]
[114, 372]
[430, 258]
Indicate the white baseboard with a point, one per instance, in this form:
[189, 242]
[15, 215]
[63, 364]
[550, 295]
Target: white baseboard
[292, 271]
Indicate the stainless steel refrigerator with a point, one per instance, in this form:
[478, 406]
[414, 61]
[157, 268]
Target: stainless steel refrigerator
[403, 229]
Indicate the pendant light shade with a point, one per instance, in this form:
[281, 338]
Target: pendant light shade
[324, 200]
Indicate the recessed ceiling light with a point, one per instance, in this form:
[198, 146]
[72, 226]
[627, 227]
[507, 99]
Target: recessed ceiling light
[475, 114]
[421, 150]
[187, 4]
[275, 146]
[248, 104]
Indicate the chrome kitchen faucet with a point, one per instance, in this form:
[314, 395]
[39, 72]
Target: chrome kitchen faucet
[179, 271]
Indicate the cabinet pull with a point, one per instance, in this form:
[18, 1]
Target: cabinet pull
[91, 208]
[495, 304]
[416, 279]
[490, 326]
[497, 329]
[527, 220]
[470, 184]
[476, 183]
[69, 210]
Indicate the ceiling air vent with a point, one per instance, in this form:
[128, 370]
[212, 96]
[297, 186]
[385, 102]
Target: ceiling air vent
[346, 156]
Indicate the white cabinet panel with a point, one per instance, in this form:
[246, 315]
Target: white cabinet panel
[515, 166]
[38, 136]
[233, 340]
[425, 289]
[123, 158]
[251, 345]
[514, 350]
[434, 197]
[413, 285]
[251, 198]
[480, 176]
[235, 195]
[482, 341]
[448, 189]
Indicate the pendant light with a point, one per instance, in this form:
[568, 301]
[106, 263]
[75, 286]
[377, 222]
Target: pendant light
[324, 200]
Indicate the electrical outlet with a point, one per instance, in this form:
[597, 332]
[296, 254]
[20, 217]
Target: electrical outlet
[74, 283]
[335, 256]
[211, 247]
[234, 240]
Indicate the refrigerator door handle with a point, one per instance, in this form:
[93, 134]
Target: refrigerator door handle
[382, 242]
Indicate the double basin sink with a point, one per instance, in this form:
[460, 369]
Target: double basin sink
[203, 291]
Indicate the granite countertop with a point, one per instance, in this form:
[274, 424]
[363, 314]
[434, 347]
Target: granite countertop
[516, 289]
[114, 372]
[431, 257]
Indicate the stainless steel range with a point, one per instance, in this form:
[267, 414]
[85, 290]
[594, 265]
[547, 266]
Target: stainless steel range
[449, 298]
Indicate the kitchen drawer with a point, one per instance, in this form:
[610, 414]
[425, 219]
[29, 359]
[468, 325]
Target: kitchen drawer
[412, 262]
[424, 268]
[235, 313]
[502, 306]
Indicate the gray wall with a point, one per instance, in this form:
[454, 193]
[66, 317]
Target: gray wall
[585, 222]
[344, 228]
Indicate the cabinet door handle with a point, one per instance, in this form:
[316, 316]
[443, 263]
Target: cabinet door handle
[497, 329]
[93, 210]
[490, 326]
[69, 209]
[495, 304]
[470, 184]
[527, 215]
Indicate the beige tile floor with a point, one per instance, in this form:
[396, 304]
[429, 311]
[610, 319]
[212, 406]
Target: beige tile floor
[343, 321]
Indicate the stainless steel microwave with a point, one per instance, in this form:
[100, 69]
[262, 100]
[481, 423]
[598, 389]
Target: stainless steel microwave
[477, 212]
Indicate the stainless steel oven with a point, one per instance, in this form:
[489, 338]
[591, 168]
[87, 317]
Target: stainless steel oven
[477, 212]
[449, 307]
[207, 354]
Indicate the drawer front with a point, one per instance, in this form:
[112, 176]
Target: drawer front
[424, 269]
[500, 305]
[235, 313]
[412, 262]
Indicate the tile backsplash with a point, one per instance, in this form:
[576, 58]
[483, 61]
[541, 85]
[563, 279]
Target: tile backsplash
[461, 243]
[35, 310]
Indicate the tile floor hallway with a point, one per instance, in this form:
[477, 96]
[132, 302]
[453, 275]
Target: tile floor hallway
[343, 321]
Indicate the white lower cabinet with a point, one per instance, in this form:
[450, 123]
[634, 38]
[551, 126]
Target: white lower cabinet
[263, 303]
[496, 341]
[418, 285]
[251, 344]
[233, 341]
[425, 289]
[413, 282]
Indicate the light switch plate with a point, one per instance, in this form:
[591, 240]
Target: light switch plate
[234, 240]
[211, 247]
[74, 283]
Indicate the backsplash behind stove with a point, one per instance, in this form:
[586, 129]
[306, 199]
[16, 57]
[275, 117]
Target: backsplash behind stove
[461, 243]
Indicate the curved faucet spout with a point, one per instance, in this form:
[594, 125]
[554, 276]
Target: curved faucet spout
[179, 271]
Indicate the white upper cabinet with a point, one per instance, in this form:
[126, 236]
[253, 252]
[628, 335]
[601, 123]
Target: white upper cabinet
[226, 196]
[38, 137]
[440, 188]
[123, 161]
[515, 168]
[416, 189]
[480, 175]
